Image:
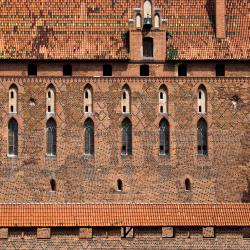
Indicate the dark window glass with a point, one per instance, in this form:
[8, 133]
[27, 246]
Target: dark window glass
[12, 94]
[124, 95]
[51, 137]
[89, 137]
[164, 137]
[220, 69]
[182, 70]
[144, 70]
[32, 69]
[202, 137]
[107, 70]
[161, 95]
[86, 94]
[13, 137]
[161, 109]
[126, 137]
[148, 47]
[67, 70]
[49, 94]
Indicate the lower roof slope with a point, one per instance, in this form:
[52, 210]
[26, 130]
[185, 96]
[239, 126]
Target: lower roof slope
[70, 215]
[87, 29]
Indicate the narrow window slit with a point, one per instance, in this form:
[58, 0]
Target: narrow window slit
[187, 185]
[53, 185]
[119, 185]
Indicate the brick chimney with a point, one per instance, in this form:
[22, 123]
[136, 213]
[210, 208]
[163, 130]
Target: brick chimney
[220, 18]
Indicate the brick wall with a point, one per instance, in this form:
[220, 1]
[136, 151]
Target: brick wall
[111, 237]
[147, 176]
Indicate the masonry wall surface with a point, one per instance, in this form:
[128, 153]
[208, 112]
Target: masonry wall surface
[222, 176]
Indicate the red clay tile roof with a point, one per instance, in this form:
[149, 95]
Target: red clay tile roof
[50, 215]
[77, 29]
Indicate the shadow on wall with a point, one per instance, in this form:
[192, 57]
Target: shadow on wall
[210, 7]
[246, 194]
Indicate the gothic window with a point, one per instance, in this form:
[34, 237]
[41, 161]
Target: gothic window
[89, 137]
[164, 137]
[163, 99]
[50, 99]
[51, 137]
[202, 137]
[148, 47]
[147, 9]
[187, 185]
[157, 21]
[119, 185]
[126, 137]
[13, 137]
[125, 100]
[202, 99]
[88, 99]
[13, 94]
[138, 21]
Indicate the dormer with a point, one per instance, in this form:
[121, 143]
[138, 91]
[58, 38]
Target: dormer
[147, 33]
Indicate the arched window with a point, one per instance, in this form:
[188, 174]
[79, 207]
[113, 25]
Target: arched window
[51, 97]
[164, 137]
[157, 21]
[88, 99]
[202, 137]
[13, 94]
[138, 21]
[163, 99]
[125, 99]
[126, 137]
[187, 185]
[202, 99]
[89, 137]
[53, 185]
[13, 137]
[148, 47]
[51, 137]
[147, 9]
[119, 185]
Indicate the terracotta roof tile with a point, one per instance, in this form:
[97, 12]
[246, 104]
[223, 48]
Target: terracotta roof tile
[76, 29]
[49, 215]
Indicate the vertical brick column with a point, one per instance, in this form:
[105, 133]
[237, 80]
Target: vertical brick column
[220, 19]
[85, 233]
[4, 233]
[43, 233]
